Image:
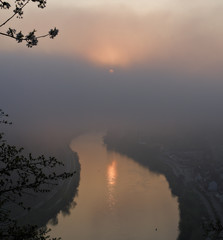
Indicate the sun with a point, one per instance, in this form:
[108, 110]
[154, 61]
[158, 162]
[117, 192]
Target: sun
[111, 70]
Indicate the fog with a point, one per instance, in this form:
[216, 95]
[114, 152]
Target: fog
[152, 67]
[61, 95]
[122, 65]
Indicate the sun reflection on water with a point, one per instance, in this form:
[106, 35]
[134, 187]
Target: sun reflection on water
[111, 182]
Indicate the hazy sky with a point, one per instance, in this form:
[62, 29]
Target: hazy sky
[187, 35]
[141, 64]
[119, 62]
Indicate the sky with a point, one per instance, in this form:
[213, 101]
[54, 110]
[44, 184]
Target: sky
[129, 64]
[124, 33]
[126, 63]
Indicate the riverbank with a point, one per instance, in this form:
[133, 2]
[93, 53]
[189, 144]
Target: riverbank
[46, 206]
[193, 211]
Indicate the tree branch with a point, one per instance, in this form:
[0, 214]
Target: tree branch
[43, 36]
[4, 34]
[8, 19]
[24, 39]
[14, 14]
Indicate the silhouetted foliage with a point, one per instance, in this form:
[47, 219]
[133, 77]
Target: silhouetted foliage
[213, 230]
[31, 38]
[19, 175]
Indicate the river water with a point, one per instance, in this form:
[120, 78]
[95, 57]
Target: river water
[118, 199]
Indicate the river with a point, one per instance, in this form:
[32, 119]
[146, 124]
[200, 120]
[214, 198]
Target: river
[117, 198]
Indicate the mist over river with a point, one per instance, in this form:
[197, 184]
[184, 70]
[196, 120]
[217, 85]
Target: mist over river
[129, 96]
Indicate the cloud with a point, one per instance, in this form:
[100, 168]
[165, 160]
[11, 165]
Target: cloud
[167, 68]
[188, 39]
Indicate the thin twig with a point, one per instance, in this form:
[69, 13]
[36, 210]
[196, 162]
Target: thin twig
[43, 36]
[1, 33]
[14, 14]
[8, 20]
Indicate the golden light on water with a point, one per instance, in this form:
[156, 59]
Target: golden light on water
[111, 182]
[112, 173]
